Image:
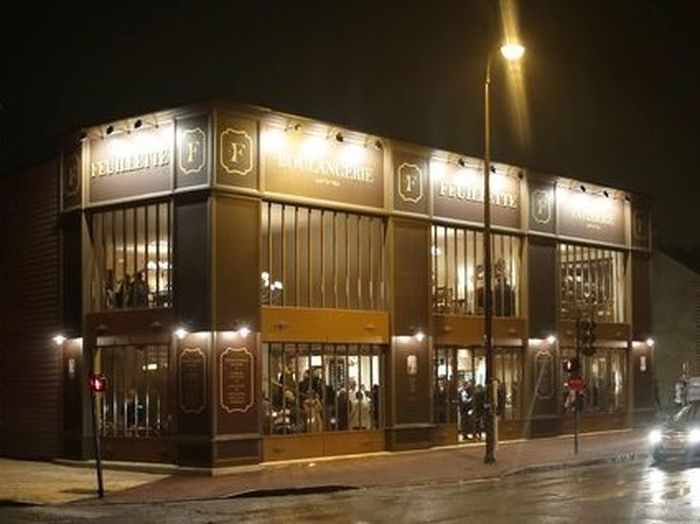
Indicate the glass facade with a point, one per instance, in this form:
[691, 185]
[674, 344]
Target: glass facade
[322, 258]
[592, 283]
[458, 272]
[309, 388]
[137, 401]
[604, 374]
[460, 379]
[132, 257]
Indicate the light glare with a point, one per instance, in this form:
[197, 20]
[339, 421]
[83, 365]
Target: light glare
[512, 52]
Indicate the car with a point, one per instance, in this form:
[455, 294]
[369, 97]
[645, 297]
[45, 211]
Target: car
[679, 436]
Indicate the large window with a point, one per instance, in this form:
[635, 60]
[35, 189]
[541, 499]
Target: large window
[132, 253]
[460, 378]
[458, 272]
[310, 388]
[592, 283]
[322, 258]
[136, 403]
[604, 376]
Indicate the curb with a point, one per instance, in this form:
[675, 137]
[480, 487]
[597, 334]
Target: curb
[553, 466]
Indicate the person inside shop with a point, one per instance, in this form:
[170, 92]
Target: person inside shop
[343, 409]
[109, 289]
[479, 405]
[360, 411]
[504, 299]
[375, 405]
[122, 295]
[313, 413]
[466, 409]
[138, 291]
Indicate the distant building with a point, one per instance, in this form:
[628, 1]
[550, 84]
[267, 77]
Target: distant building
[676, 318]
[260, 286]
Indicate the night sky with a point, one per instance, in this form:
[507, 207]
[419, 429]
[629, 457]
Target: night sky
[612, 87]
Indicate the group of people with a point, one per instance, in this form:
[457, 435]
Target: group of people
[131, 291]
[471, 410]
[311, 406]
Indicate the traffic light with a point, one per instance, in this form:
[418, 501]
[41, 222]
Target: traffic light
[571, 365]
[586, 336]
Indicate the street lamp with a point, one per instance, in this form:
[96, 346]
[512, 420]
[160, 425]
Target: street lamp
[511, 52]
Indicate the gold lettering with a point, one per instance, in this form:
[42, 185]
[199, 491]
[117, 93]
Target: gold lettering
[237, 149]
[192, 151]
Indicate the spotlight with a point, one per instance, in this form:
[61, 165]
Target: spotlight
[180, 333]
[551, 339]
[607, 195]
[419, 336]
[461, 162]
[339, 137]
[650, 342]
[583, 188]
[244, 331]
[138, 124]
[58, 339]
[110, 129]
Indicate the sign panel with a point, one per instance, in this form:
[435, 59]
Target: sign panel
[131, 164]
[590, 217]
[236, 380]
[313, 166]
[192, 380]
[236, 151]
[544, 375]
[458, 192]
[192, 151]
[542, 212]
[410, 182]
[71, 168]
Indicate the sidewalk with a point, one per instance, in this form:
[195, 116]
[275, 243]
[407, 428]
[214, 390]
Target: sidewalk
[463, 461]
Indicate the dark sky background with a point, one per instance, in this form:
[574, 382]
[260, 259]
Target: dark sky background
[613, 91]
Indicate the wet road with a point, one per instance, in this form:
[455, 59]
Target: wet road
[612, 493]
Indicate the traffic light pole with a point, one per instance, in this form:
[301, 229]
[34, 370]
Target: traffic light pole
[95, 431]
[577, 411]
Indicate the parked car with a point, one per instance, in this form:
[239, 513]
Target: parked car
[679, 436]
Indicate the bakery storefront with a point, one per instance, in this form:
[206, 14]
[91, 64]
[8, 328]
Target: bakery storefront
[257, 286]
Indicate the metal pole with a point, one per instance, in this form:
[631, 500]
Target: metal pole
[96, 435]
[577, 414]
[489, 412]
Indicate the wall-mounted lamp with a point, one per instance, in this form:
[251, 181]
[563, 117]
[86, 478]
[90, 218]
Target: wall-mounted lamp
[293, 127]
[138, 123]
[339, 137]
[180, 333]
[378, 144]
[110, 129]
[461, 162]
[582, 188]
[243, 331]
[58, 339]
[551, 339]
[606, 194]
[419, 336]
[650, 342]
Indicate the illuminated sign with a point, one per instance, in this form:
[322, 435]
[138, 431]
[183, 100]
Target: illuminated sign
[318, 167]
[589, 216]
[131, 164]
[458, 192]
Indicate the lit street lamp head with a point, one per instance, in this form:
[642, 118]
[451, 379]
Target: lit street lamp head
[512, 52]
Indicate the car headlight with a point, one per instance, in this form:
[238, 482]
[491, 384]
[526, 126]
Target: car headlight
[694, 436]
[655, 436]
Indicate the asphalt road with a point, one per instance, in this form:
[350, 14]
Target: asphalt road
[625, 492]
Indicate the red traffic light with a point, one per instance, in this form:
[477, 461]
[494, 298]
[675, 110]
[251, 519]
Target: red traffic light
[98, 382]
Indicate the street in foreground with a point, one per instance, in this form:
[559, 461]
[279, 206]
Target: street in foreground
[612, 493]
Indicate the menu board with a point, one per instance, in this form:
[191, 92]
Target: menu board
[236, 380]
[192, 380]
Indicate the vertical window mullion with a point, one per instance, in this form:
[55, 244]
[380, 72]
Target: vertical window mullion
[283, 255]
[335, 259]
[309, 262]
[297, 302]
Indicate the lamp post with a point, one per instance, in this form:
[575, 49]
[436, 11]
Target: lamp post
[511, 52]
